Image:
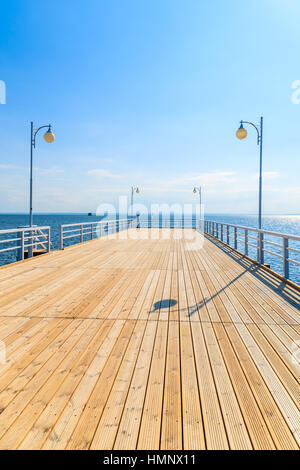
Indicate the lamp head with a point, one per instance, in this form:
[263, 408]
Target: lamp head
[137, 190]
[194, 190]
[241, 133]
[49, 136]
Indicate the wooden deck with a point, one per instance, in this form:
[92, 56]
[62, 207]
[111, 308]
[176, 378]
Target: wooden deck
[148, 343]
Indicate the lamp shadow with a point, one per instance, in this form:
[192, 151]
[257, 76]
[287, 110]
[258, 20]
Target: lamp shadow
[165, 303]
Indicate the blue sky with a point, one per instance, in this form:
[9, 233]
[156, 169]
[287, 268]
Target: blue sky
[149, 93]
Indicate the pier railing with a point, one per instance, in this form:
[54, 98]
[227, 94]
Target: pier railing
[246, 239]
[168, 221]
[84, 231]
[24, 240]
[88, 230]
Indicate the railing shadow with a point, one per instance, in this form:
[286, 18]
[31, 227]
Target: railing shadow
[206, 300]
[275, 284]
[166, 303]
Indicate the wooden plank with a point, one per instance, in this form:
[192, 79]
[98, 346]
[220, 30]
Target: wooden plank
[149, 435]
[91, 366]
[215, 433]
[48, 376]
[171, 431]
[258, 431]
[84, 430]
[235, 426]
[278, 427]
[282, 398]
[193, 431]
[127, 435]
[112, 413]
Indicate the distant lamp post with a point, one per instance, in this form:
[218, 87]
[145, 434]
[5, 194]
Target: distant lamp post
[134, 189]
[195, 191]
[49, 137]
[241, 134]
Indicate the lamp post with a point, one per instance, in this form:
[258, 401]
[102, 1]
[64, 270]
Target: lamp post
[195, 191]
[49, 137]
[241, 134]
[134, 189]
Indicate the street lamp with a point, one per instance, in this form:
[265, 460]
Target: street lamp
[49, 137]
[241, 134]
[195, 191]
[134, 189]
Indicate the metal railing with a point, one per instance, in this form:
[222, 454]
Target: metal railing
[244, 239]
[168, 221]
[25, 239]
[88, 230]
[84, 231]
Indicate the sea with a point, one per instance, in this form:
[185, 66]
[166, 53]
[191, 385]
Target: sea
[288, 224]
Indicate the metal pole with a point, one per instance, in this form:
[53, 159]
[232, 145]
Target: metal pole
[31, 152]
[260, 174]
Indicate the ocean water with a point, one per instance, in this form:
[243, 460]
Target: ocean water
[289, 224]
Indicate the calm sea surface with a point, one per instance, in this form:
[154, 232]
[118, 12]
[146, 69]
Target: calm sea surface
[283, 224]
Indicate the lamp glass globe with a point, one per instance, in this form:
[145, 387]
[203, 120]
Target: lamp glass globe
[241, 133]
[49, 136]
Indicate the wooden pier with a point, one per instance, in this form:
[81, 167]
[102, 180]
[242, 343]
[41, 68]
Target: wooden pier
[148, 340]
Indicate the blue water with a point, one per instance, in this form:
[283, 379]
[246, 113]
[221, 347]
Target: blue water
[282, 224]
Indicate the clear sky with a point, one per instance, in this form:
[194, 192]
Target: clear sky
[149, 93]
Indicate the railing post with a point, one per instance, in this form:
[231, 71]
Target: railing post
[260, 248]
[228, 238]
[235, 238]
[222, 232]
[262, 253]
[61, 238]
[35, 240]
[22, 245]
[246, 242]
[49, 240]
[217, 230]
[20, 249]
[81, 234]
[92, 233]
[30, 242]
[285, 257]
